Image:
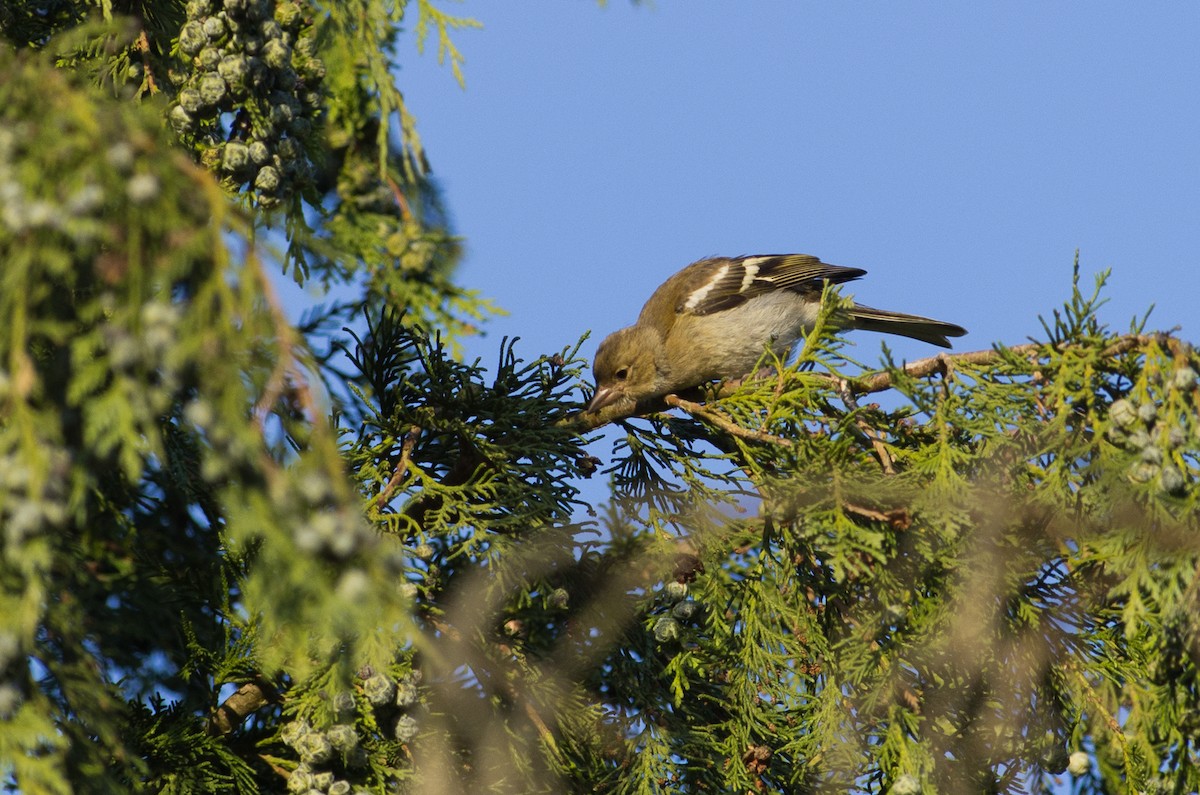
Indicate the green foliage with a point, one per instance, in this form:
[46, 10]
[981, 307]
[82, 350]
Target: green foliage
[956, 593]
[219, 577]
[140, 493]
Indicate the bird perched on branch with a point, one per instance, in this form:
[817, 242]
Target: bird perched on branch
[715, 318]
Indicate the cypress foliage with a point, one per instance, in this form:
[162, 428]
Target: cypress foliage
[244, 554]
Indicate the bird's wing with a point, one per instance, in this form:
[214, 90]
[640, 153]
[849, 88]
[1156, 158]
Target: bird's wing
[714, 285]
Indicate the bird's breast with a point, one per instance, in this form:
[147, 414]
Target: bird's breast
[728, 344]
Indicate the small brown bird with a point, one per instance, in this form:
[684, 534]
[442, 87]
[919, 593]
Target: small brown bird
[715, 318]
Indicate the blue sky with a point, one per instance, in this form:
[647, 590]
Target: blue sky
[959, 152]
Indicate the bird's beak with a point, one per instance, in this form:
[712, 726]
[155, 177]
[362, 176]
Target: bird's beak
[605, 396]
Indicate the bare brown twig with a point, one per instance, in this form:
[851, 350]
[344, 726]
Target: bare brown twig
[885, 458]
[406, 448]
[727, 425]
[896, 517]
[401, 200]
[944, 362]
[287, 340]
[142, 45]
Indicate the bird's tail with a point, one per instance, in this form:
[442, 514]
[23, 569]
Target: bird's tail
[925, 329]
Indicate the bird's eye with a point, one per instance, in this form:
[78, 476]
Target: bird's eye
[622, 374]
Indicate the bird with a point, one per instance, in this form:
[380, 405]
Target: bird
[715, 318]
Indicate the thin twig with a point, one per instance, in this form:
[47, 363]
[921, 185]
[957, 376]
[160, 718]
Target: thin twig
[142, 45]
[897, 517]
[535, 718]
[286, 343]
[730, 427]
[1101, 710]
[942, 362]
[401, 199]
[885, 458]
[406, 448]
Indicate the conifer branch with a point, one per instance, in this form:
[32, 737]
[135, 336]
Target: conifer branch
[730, 427]
[943, 363]
[469, 460]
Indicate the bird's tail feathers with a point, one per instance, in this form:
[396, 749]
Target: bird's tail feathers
[925, 329]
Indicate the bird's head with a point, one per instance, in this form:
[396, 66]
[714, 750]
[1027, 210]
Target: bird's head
[629, 367]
